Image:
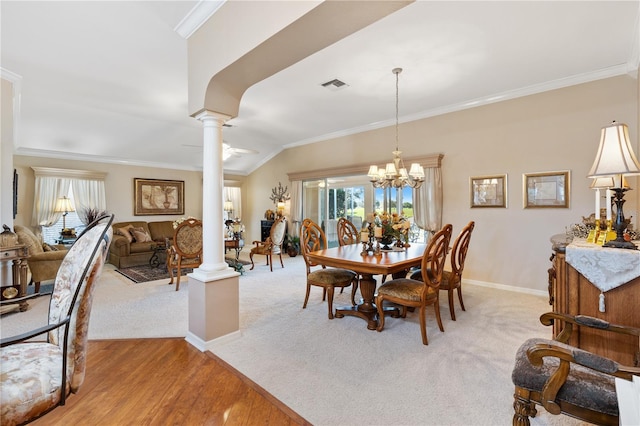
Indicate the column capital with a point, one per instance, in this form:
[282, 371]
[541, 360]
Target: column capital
[211, 116]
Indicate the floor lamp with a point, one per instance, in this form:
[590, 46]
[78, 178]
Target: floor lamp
[615, 158]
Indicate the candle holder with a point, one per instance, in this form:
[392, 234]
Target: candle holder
[594, 233]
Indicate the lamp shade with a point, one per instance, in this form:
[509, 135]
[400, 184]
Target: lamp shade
[615, 155]
[64, 205]
[228, 206]
[606, 182]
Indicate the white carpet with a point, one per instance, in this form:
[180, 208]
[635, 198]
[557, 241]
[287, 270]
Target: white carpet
[337, 371]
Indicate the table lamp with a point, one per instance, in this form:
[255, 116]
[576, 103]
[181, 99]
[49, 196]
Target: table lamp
[615, 158]
[64, 206]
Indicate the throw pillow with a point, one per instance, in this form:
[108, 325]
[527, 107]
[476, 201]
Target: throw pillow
[141, 235]
[126, 232]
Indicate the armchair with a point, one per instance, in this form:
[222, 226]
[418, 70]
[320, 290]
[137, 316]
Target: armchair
[43, 265]
[272, 245]
[566, 379]
[37, 376]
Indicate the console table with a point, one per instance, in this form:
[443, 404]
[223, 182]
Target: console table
[18, 287]
[581, 273]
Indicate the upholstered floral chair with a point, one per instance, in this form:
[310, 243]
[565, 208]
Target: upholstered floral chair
[37, 376]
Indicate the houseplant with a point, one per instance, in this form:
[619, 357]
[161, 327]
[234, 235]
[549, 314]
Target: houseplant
[292, 244]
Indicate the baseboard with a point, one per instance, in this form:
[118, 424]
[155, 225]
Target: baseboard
[506, 287]
[203, 346]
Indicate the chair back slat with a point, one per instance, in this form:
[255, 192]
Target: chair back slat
[434, 257]
[460, 248]
[347, 232]
[312, 238]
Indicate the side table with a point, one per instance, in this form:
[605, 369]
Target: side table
[18, 255]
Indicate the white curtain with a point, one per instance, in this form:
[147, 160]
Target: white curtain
[427, 202]
[295, 209]
[47, 191]
[88, 194]
[234, 195]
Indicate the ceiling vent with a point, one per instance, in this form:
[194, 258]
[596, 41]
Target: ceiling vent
[335, 84]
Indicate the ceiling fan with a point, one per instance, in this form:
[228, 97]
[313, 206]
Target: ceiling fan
[228, 151]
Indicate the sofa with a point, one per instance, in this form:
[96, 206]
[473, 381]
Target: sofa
[134, 242]
[44, 259]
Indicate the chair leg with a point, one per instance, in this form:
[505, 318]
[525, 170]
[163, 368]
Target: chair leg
[306, 297]
[436, 306]
[36, 287]
[179, 272]
[270, 262]
[330, 291]
[451, 308]
[170, 275]
[379, 302]
[423, 324]
[251, 259]
[523, 408]
[280, 254]
[460, 298]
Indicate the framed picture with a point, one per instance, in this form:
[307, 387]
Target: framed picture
[548, 189]
[155, 196]
[488, 191]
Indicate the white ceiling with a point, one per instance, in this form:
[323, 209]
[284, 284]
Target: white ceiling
[107, 81]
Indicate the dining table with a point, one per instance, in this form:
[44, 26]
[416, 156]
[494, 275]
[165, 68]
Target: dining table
[395, 261]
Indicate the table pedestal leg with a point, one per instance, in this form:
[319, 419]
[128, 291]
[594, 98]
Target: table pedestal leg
[366, 310]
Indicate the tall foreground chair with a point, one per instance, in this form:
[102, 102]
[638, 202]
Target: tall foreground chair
[272, 245]
[36, 377]
[566, 379]
[186, 249]
[312, 238]
[408, 292]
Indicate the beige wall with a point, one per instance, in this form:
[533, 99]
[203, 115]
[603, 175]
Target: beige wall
[552, 131]
[118, 185]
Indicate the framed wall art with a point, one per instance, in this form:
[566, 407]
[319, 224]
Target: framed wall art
[156, 196]
[547, 189]
[488, 191]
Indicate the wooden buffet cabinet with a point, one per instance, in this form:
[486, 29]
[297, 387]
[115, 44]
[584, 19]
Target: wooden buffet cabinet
[573, 294]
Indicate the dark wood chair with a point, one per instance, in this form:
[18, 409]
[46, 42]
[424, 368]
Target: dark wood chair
[38, 376]
[407, 292]
[452, 280]
[312, 238]
[565, 379]
[272, 245]
[186, 249]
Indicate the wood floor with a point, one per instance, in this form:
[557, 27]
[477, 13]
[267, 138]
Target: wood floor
[165, 382]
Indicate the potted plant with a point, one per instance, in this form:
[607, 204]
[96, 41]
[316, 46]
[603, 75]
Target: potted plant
[292, 245]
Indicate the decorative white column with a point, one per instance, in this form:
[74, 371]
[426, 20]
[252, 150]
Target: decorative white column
[212, 187]
[214, 299]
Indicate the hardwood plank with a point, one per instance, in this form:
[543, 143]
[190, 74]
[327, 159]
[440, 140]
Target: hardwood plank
[166, 381]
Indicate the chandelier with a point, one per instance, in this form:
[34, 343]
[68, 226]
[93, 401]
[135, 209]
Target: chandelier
[394, 175]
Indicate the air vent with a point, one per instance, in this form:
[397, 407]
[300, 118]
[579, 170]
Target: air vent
[335, 84]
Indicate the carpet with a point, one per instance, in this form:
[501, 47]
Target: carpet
[146, 273]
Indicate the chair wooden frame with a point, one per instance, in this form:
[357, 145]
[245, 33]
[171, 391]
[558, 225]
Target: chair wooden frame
[186, 249]
[313, 238]
[571, 370]
[272, 245]
[407, 292]
[452, 280]
[347, 232]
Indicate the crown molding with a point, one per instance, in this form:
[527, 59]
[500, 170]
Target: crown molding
[197, 16]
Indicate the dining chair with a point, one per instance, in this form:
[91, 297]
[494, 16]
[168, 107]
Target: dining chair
[38, 376]
[407, 292]
[312, 238]
[186, 249]
[348, 234]
[452, 280]
[272, 245]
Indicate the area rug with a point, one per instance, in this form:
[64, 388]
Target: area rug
[145, 273]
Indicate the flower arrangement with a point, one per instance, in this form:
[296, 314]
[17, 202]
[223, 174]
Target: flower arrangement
[394, 226]
[179, 221]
